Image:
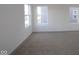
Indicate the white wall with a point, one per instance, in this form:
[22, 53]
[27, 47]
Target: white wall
[58, 19]
[12, 27]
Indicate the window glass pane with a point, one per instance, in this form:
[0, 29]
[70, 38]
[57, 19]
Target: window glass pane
[38, 10]
[42, 15]
[27, 21]
[26, 9]
[74, 15]
[39, 19]
[29, 12]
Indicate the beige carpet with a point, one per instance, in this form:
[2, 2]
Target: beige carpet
[50, 43]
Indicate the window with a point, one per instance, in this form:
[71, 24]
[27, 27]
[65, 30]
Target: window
[74, 15]
[42, 15]
[27, 15]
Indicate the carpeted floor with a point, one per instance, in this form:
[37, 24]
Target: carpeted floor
[50, 43]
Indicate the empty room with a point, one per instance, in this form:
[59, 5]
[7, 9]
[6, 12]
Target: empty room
[39, 29]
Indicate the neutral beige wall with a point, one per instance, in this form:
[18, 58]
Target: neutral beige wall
[58, 18]
[12, 27]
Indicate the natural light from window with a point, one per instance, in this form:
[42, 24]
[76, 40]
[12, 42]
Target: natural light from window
[42, 15]
[27, 15]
